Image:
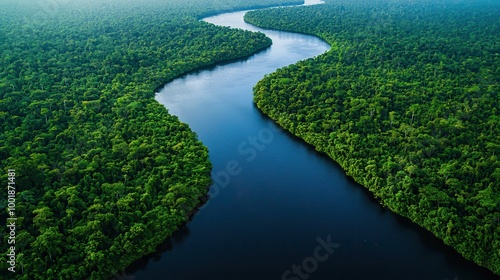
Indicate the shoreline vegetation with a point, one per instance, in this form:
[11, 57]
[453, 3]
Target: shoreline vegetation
[407, 102]
[103, 173]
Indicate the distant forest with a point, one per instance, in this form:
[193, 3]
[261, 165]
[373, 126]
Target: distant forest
[103, 173]
[407, 101]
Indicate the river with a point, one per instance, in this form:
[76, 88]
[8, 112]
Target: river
[278, 209]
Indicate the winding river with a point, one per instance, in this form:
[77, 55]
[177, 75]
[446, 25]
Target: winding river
[278, 209]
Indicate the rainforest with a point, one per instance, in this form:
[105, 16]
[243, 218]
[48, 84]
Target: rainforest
[406, 101]
[104, 174]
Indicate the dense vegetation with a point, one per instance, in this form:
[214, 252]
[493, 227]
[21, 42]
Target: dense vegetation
[103, 173]
[407, 102]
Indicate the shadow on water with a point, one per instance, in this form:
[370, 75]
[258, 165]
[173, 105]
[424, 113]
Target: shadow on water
[177, 238]
[428, 240]
[323, 156]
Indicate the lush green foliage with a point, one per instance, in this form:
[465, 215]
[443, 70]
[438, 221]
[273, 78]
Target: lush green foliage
[407, 101]
[104, 173]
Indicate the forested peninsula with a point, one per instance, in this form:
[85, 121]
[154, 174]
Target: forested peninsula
[407, 102]
[103, 174]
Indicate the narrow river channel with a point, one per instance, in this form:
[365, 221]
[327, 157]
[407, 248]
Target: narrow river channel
[278, 209]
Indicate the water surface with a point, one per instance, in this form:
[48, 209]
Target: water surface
[275, 199]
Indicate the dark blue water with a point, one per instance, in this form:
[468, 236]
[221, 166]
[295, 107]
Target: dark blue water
[278, 209]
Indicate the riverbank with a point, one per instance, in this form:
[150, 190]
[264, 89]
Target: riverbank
[392, 144]
[104, 172]
[278, 196]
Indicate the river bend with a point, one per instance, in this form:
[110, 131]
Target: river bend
[278, 209]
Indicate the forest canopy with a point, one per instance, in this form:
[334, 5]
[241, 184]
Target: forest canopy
[407, 102]
[103, 174]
